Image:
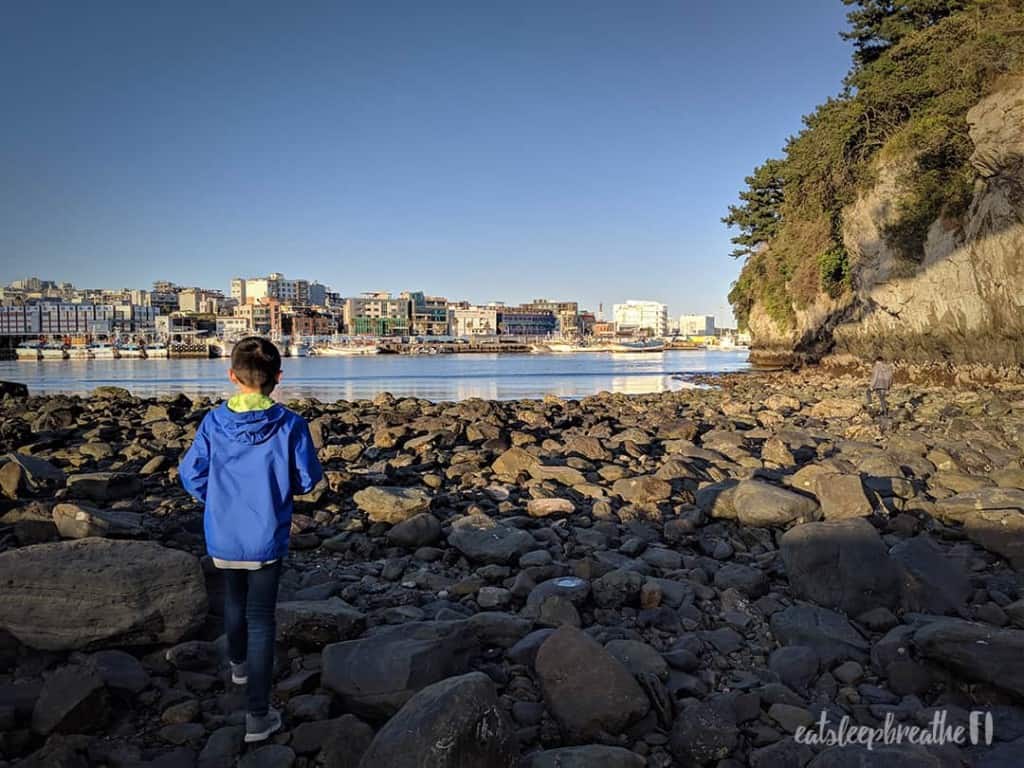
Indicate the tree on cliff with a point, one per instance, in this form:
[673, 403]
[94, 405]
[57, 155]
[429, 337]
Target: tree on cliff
[918, 67]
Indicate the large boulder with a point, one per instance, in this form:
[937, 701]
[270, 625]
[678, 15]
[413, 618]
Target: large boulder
[588, 690]
[453, 723]
[763, 505]
[977, 652]
[95, 593]
[375, 675]
[23, 475]
[644, 489]
[992, 517]
[418, 531]
[827, 632]
[78, 521]
[484, 540]
[387, 504]
[513, 461]
[932, 582]
[840, 564]
[961, 507]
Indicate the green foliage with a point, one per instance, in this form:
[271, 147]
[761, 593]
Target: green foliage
[758, 216]
[919, 66]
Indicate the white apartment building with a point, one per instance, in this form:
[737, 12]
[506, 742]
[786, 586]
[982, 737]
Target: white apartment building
[475, 321]
[697, 325]
[634, 315]
[273, 286]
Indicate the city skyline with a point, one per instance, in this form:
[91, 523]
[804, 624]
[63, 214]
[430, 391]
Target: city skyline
[479, 151]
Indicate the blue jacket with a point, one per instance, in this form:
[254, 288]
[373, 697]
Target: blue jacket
[245, 467]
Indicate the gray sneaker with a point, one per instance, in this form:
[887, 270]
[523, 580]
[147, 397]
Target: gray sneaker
[259, 728]
[239, 673]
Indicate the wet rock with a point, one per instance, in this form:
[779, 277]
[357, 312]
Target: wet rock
[761, 504]
[452, 723]
[78, 521]
[587, 690]
[386, 504]
[840, 564]
[95, 593]
[375, 675]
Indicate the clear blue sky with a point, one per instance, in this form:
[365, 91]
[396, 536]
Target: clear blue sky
[479, 150]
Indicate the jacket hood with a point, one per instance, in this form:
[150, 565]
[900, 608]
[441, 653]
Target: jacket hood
[249, 427]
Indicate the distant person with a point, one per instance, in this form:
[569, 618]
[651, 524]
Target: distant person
[881, 382]
[249, 457]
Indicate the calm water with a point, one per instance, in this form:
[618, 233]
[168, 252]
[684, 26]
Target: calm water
[435, 377]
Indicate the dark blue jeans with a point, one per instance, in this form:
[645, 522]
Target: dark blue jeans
[251, 598]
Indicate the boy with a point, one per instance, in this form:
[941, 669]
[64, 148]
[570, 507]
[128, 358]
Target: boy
[881, 381]
[249, 457]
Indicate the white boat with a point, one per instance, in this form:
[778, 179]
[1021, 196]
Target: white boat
[53, 351]
[298, 349]
[130, 350]
[341, 350]
[637, 346]
[221, 348]
[29, 350]
[156, 350]
[103, 351]
[78, 352]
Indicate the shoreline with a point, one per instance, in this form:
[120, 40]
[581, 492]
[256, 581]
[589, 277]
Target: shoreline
[763, 549]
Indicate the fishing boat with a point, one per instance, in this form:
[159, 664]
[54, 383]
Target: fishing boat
[651, 345]
[78, 352]
[345, 350]
[131, 350]
[298, 349]
[53, 351]
[103, 351]
[29, 350]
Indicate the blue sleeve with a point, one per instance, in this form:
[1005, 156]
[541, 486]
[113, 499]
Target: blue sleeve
[306, 470]
[194, 468]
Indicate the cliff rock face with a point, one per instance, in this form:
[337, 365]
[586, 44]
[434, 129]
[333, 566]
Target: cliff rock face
[964, 302]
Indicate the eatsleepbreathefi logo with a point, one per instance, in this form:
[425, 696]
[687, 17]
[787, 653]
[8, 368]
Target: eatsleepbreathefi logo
[977, 730]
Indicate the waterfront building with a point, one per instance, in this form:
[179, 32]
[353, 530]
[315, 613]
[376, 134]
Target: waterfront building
[164, 297]
[697, 325]
[233, 327]
[376, 313]
[317, 294]
[238, 289]
[199, 300]
[470, 320]
[273, 286]
[306, 322]
[603, 329]
[428, 315]
[262, 315]
[566, 312]
[60, 318]
[641, 317]
[526, 321]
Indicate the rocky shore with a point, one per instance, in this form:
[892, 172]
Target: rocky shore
[679, 579]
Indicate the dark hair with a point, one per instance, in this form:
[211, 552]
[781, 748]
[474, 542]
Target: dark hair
[256, 363]
[878, 358]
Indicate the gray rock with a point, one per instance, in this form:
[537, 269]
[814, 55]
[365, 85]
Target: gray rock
[341, 742]
[763, 505]
[645, 489]
[840, 564]
[312, 624]
[418, 531]
[617, 588]
[743, 578]
[23, 475]
[796, 665]
[95, 593]
[269, 756]
[704, 732]
[223, 746]
[73, 700]
[454, 723]
[886, 756]
[375, 675]
[977, 652]
[639, 658]
[120, 671]
[931, 581]
[587, 690]
[483, 540]
[827, 632]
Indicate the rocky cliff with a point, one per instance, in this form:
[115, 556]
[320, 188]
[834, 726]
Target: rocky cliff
[963, 302]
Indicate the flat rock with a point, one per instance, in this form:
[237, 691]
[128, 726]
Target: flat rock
[549, 506]
[78, 521]
[73, 700]
[23, 475]
[977, 652]
[483, 540]
[104, 486]
[840, 564]
[763, 505]
[375, 675]
[827, 632]
[932, 582]
[312, 624]
[94, 593]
